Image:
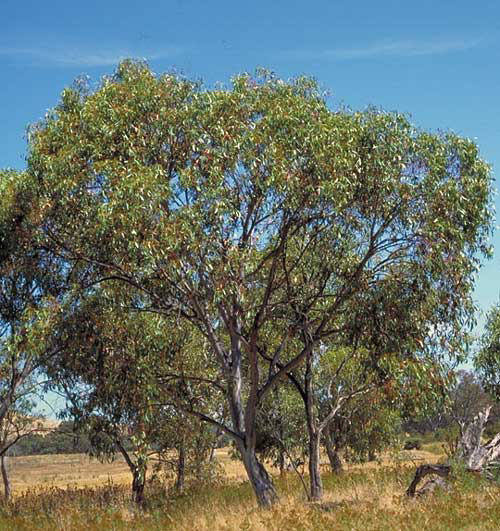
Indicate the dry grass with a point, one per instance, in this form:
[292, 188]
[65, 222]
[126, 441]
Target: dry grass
[62, 470]
[365, 497]
[78, 470]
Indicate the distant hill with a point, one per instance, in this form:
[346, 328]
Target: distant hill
[54, 437]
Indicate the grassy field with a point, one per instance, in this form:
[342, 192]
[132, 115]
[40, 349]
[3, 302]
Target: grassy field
[78, 470]
[73, 493]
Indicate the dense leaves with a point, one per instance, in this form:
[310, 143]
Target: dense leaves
[488, 358]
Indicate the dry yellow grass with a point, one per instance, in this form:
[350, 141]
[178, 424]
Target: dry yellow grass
[365, 497]
[79, 470]
[62, 470]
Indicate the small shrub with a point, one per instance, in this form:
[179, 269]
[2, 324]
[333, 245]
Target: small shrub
[413, 444]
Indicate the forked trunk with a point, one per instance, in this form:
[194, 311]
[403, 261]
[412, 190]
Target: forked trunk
[314, 468]
[244, 419]
[5, 477]
[261, 481]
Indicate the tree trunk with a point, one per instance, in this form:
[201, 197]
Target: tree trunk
[334, 458]
[5, 477]
[471, 451]
[215, 444]
[138, 483]
[259, 478]
[316, 486]
[314, 467]
[138, 470]
[332, 452]
[181, 468]
[244, 419]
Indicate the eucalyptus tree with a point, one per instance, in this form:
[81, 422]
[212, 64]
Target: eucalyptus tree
[362, 429]
[30, 284]
[112, 374]
[331, 384]
[255, 206]
[281, 429]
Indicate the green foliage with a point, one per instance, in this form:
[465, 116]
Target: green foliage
[281, 435]
[488, 358]
[61, 440]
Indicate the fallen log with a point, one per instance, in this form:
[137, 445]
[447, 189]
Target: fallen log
[425, 470]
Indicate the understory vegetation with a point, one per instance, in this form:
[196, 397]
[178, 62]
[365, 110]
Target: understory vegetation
[371, 499]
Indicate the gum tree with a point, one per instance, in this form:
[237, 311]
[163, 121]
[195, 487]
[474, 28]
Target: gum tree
[120, 373]
[30, 283]
[252, 208]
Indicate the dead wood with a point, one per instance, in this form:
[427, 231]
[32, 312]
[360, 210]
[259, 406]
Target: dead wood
[477, 457]
[425, 470]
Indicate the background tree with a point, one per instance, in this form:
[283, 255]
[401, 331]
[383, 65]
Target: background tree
[467, 399]
[31, 281]
[281, 429]
[487, 360]
[120, 374]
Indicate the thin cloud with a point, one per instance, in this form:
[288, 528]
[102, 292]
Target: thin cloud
[394, 49]
[84, 57]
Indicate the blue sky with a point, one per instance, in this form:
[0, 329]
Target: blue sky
[437, 60]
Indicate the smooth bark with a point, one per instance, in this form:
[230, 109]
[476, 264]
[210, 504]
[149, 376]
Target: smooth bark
[314, 467]
[244, 417]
